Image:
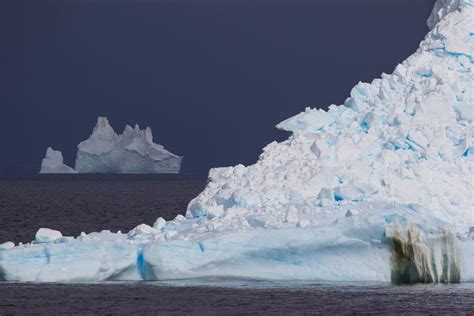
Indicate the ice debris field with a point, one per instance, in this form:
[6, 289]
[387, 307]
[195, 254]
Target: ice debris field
[377, 189]
[105, 151]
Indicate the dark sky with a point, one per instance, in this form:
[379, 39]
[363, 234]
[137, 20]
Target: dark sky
[210, 77]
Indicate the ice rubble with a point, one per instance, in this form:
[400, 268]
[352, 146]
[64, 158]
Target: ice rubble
[377, 189]
[131, 152]
[53, 162]
[107, 152]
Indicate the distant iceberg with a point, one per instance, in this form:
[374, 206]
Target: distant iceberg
[131, 152]
[378, 189]
[53, 162]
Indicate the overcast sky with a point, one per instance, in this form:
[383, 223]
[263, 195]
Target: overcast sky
[211, 78]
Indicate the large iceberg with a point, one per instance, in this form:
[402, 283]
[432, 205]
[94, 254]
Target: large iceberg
[377, 189]
[131, 152]
[53, 162]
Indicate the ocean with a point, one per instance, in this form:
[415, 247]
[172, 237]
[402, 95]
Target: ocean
[76, 203]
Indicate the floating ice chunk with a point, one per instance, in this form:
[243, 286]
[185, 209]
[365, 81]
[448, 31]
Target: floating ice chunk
[46, 235]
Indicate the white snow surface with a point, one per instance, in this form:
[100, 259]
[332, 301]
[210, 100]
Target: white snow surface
[53, 162]
[131, 152]
[377, 189]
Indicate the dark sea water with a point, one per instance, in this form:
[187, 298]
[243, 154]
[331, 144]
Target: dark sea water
[88, 203]
[76, 203]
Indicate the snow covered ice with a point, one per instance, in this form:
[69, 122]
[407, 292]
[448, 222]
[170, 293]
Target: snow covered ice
[53, 162]
[108, 152]
[377, 189]
[131, 152]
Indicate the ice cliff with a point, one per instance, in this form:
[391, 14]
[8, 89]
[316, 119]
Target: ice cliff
[108, 152]
[377, 189]
[53, 162]
[131, 152]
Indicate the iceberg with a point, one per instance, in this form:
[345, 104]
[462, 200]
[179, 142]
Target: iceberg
[377, 189]
[131, 152]
[53, 162]
[107, 152]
